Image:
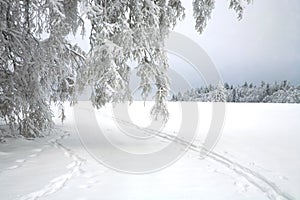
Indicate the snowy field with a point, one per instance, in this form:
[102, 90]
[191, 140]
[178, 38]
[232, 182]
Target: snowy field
[257, 157]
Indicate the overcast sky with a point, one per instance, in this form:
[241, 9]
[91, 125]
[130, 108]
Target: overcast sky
[265, 45]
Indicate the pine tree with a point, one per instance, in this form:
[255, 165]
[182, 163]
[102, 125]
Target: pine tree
[234, 98]
[268, 92]
[226, 86]
[219, 94]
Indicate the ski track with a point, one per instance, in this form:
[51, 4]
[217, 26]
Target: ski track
[56, 184]
[269, 188]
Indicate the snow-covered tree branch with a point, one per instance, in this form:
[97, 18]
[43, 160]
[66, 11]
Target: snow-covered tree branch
[39, 65]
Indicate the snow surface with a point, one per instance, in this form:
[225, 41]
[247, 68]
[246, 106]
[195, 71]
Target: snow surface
[257, 157]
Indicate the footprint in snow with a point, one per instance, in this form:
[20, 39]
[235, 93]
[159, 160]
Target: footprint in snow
[46, 146]
[93, 181]
[71, 165]
[65, 136]
[4, 153]
[283, 178]
[20, 161]
[13, 167]
[37, 150]
[83, 186]
[89, 184]
[67, 153]
[242, 187]
[88, 175]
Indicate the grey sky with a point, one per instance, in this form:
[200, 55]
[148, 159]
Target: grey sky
[264, 45]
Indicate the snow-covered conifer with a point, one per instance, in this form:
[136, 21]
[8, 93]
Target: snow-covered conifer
[219, 94]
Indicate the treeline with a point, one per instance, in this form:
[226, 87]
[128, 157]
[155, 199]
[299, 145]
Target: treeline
[283, 92]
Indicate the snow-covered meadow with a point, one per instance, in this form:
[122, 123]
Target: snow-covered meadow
[257, 157]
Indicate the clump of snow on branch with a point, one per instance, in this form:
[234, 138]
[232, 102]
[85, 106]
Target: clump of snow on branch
[39, 65]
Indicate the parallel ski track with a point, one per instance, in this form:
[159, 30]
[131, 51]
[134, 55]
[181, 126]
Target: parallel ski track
[269, 188]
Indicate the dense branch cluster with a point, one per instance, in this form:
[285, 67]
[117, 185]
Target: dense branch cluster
[39, 65]
[36, 70]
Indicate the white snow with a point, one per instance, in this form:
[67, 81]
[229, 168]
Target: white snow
[257, 157]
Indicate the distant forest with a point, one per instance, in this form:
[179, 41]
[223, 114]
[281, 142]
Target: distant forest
[283, 92]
